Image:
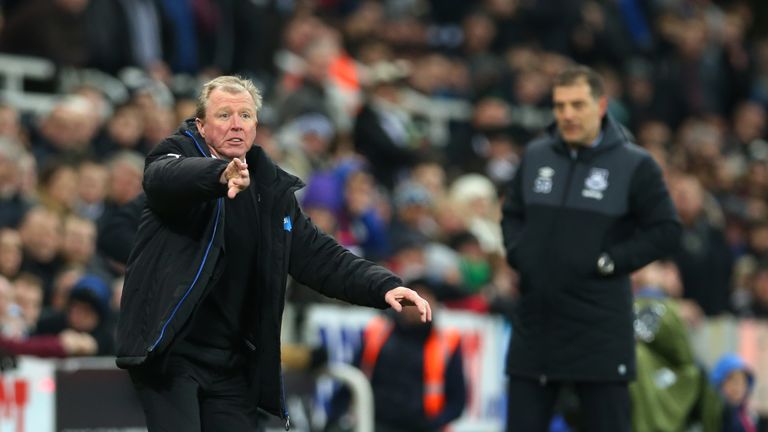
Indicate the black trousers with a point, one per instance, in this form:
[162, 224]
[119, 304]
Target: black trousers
[194, 397]
[604, 407]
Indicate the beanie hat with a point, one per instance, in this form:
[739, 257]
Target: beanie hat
[323, 191]
[92, 289]
[728, 364]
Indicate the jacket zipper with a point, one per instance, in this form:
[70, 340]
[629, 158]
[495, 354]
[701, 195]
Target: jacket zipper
[202, 264]
[546, 300]
[286, 417]
[194, 281]
[284, 207]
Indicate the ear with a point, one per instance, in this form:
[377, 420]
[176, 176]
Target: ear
[603, 104]
[200, 126]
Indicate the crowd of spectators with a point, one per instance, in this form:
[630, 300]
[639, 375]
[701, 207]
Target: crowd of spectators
[406, 119]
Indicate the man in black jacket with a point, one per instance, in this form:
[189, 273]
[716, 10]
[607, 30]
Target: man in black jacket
[204, 291]
[586, 208]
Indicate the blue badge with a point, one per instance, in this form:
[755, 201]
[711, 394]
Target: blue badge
[287, 223]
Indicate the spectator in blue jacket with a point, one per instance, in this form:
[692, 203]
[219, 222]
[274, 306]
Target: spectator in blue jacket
[734, 380]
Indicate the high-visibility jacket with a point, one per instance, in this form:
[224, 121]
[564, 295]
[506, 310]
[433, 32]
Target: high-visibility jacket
[438, 349]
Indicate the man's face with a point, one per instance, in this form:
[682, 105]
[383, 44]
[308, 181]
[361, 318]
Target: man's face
[578, 114]
[79, 240]
[41, 235]
[125, 183]
[10, 252]
[229, 127]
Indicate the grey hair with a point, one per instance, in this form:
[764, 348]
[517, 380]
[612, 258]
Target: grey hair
[229, 84]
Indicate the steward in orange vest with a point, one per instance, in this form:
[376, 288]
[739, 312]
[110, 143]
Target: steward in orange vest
[416, 373]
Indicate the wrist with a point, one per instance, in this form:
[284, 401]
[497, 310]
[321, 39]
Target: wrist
[223, 176]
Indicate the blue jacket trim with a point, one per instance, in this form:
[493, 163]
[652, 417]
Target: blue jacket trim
[202, 264]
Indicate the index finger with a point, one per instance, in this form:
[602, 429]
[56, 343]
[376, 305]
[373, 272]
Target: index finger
[426, 311]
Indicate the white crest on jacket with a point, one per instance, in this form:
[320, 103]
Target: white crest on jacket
[543, 183]
[596, 183]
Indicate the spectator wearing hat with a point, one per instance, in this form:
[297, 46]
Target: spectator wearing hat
[88, 311]
[413, 213]
[734, 381]
[322, 201]
[306, 142]
[476, 199]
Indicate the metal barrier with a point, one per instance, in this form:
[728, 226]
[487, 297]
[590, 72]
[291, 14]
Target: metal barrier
[14, 70]
[360, 388]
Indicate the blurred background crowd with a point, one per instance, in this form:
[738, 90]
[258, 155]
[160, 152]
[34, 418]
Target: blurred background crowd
[406, 119]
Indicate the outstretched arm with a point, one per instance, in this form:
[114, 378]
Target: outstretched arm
[320, 263]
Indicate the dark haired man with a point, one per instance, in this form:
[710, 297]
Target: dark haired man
[586, 208]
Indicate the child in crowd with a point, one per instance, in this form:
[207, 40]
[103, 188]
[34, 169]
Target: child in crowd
[87, 311]
[734, 381]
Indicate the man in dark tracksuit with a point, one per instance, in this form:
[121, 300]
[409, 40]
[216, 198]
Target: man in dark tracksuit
[199, 328]
[585, 209]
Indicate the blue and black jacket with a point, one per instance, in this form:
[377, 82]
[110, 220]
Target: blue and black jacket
[178, 257]
[564, 209]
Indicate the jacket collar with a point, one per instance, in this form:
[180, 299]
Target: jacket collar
[188, 129]
[267, 173]
[614, 134]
